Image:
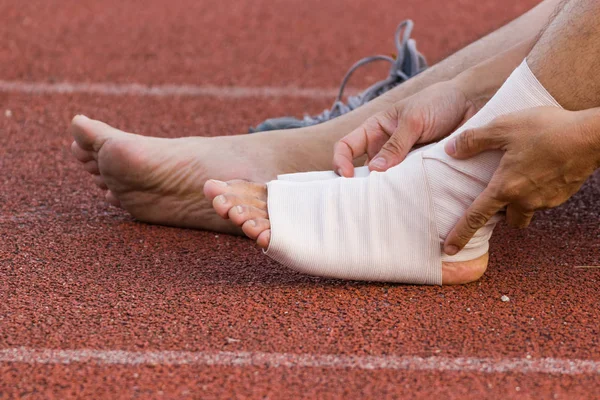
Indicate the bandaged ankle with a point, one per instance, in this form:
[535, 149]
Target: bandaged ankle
[391, 226]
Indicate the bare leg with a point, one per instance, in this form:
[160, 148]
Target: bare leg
[563, 65]
[566, 58]
[526, 28]
[160, 180]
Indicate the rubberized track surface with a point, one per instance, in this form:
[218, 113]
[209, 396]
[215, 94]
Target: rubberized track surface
[94, 304]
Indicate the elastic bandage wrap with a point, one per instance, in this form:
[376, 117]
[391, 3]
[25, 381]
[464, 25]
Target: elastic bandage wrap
[391, 226]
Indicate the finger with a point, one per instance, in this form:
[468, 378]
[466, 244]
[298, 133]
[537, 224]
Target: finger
[366, 139]
[477, 215]
[396, 148]
[343, 156]
[517, 217]
[474, 141]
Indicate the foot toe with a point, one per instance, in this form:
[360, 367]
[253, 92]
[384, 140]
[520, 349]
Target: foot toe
[92, 167]
[247, 188]
[214, 188]
[223, 203]
[90, 134]
[263, 239]
[99, 181]
[81, 131]
[81, 154]
[112, 199]
[243, 212]
[254, 227]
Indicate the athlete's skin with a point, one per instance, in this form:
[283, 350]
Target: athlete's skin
[162, 180]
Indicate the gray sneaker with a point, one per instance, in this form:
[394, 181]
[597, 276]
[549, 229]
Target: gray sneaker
[408, 63]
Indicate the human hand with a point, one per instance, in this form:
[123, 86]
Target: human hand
[549, 154]
[387, 137]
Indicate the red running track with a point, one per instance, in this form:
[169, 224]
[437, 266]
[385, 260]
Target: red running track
[94, 304]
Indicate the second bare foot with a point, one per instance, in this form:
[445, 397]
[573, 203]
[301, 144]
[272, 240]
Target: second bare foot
[160, 181]
[245, 205]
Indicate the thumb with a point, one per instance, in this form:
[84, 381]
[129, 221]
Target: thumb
[395, 149]
[477, 215]
[471, 142]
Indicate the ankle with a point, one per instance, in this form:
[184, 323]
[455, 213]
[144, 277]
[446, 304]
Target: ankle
[300, 150]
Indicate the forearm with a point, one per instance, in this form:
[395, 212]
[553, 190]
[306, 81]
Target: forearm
[529, 25]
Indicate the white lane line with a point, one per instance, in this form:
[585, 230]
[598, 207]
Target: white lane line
[136, 89]
[258, 359]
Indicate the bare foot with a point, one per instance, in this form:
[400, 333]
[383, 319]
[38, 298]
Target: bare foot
[245, 204]
[160, 181]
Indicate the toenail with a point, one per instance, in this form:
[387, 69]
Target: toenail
[221, 199]
[239, 209]
[220, 183]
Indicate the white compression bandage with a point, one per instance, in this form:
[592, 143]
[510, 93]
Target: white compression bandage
[391, 226]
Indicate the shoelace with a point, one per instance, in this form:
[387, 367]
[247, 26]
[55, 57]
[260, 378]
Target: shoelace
[407, 57]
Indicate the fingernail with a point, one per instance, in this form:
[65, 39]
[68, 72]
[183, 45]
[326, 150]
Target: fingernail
[252, 223]
[451, 250]
[221, 199]
[239, 209]
[379, 163]
[220, 183]
[339, 172]
[450, 147]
